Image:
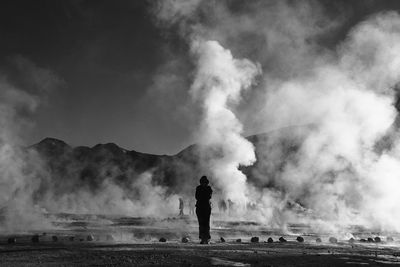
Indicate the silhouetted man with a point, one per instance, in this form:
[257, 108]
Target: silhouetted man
[192, 206]
[181, 206]
[222, 206]
[203, 209]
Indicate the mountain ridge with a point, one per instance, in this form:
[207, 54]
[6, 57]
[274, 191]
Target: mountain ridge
[73, 168]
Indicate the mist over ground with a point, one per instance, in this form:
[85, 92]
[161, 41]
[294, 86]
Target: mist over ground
[299, 130]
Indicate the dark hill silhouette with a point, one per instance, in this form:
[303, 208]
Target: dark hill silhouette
[88, 167]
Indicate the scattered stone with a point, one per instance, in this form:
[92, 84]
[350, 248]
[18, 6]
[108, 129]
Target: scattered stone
[389, 239]
[12, 240]
[333, 240]
[370, 240]
[35, 239]
[185, 240]
[282, 239]
[89, 238]
[352, 240]
[71, 238]
[254, 239]
[318, 240]
[300, 239]
[162, 239]
[54, 238]
[377, 239]
[362, 240]
[222, 240]
[270, 240]
[81, 239]
[238, 240]
[44, 234]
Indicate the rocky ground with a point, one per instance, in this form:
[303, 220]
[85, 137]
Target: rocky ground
[192, 254]
[97, 241]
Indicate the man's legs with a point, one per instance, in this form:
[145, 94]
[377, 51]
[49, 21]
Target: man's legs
[203, 216]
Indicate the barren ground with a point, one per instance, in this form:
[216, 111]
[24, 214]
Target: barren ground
[135, 241]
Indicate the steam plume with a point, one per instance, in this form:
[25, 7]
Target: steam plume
[346, 93]
[218, 84]
[20, 171]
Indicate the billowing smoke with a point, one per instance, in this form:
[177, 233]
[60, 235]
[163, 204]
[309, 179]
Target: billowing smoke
[338, 172]
[329, 155]
[139, 197]
[218, 84]
[20, 170]
[51, 177]
[341, 167]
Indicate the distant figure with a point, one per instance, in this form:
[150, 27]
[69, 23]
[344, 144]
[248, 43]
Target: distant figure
[203, 209]
[230, 205]
[222, 206]
[181, 206]
[192, 206]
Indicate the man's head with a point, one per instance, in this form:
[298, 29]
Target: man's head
[204, 180]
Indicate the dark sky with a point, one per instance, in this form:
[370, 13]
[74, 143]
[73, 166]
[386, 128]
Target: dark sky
[107, 53]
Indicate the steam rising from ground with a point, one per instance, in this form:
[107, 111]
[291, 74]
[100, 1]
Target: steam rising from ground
[18, 173]
[139, 198]
[29, 188]
[219, 81]
[342, 173]
[258, 67]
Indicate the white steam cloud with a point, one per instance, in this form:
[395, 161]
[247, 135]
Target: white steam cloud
[219, 81]
[218, 84]
[340, 174]
[340, 169]
[20, 170]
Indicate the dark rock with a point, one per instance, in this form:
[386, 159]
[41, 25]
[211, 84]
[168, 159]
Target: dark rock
[333, 240]
[318, 240]
[352, 240]
[389, 239]
[162, 239]
[185, 240]
[270, 240]
[282, 239]
[362, 240]
[300, 239]
[54, 238]
[89, 238]
[377, 239]
[71, 238]
[35, 239]
[222, 240]
[238, 240]
[255, 239]
[12, 240]
[370, 239]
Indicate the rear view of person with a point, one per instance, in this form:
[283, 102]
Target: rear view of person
[192, 206]
[181, 206]
[203, 209]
